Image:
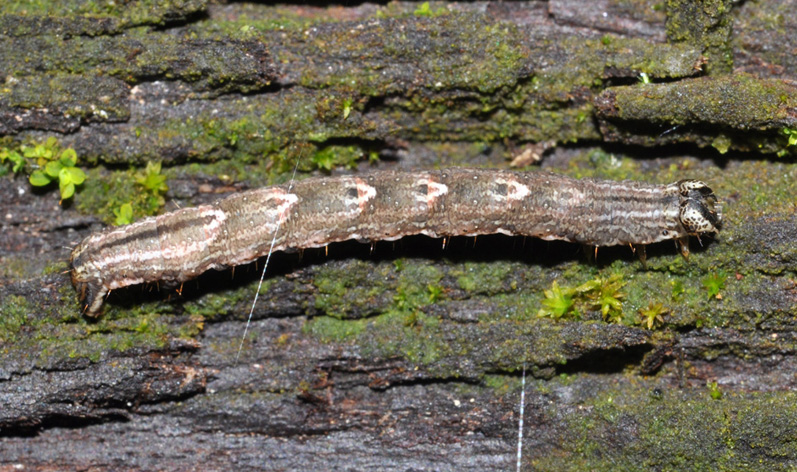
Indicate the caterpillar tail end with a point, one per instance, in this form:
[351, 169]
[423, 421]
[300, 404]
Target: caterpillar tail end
[91, 296]
[91, 291]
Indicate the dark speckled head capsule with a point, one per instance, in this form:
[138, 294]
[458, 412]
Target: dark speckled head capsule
[700, 211]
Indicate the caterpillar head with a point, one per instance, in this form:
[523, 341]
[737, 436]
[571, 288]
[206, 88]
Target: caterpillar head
[700, 211]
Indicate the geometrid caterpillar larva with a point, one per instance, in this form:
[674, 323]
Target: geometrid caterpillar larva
[180, 245]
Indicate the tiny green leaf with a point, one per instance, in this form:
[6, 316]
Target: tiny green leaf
[435, 293]
[39, 179]
[67, 189]
[588, 286]
[151, 179]
[18, 160]
[76, 175]
[53, 169]
[423, 10]
[68, 158]
[347, 103]
[64, 177]
[41, 151]
[124, 214]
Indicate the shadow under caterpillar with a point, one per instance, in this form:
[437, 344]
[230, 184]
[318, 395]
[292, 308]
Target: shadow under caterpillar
[178, 246]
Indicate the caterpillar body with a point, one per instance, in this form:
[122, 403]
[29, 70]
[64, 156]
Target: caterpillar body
[178, 246]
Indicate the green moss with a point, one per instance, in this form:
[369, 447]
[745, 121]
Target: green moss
[721, 143]
[15, 315]
[485, 277]
[653, 315]
[254, 20]
[352, 290]
[558, 303]
[105, 192]
[412, 335]
[498, 52]
[715, 283]
[707, 24]
[215, 305]
[502, 384]
[14, 267]
[479, 71]
[332, 157]
[714, 390]
[55, 267]
[676, 429]
[601, 294]
[425, 9]
[142, 12]
[212, 305]
[330, 329]
[736, 111]
[54, 332]
[410, 328]
[396, 326]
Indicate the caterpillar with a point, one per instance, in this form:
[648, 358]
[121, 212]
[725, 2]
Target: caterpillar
[178, 246]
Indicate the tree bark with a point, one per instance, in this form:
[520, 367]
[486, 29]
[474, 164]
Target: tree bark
[407, 355]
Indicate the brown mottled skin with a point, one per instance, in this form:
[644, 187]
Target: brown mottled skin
[178, 246]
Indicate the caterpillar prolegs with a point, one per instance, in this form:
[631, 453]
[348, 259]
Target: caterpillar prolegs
[178, 246]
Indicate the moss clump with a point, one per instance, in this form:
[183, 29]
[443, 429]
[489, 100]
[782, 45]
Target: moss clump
[484, 277]
[352, 291]
[14, 311]
[143, 12]
[334, 157]
[737, 111]
[121, 197]
[651, 427]
[397, 325]
[707, 24]
[652, 316]
[714, 284]
[601, 294]
[47, 334]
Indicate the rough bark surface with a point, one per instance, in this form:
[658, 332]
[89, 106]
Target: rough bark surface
[405, 355]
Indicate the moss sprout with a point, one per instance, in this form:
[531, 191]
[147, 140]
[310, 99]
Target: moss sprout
[715, 283]
[558, 302]
[714, 390]
[653, 315]
[599, 294]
